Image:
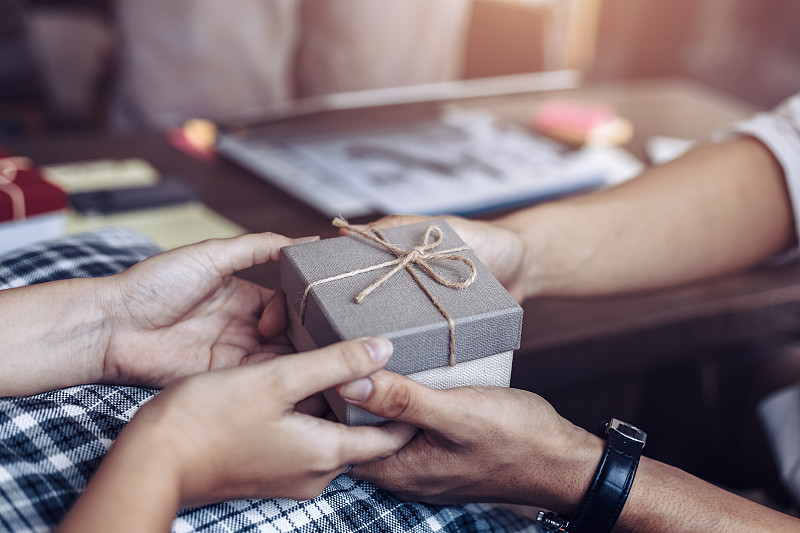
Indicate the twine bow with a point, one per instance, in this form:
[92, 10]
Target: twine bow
[419, 255]
[8, 173]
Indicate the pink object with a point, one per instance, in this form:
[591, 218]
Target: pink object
[572, 121]
[179, 140]
[572, 114]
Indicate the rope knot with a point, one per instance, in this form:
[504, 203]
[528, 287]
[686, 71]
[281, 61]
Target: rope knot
[419, 255]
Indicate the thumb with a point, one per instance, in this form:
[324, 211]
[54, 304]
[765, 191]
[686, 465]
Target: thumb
[392, 221]
[397, 397]
[237, 253]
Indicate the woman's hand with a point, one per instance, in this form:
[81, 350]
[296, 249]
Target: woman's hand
[175, 314]
[477, 444]
[233, 434]
[500, 248]
[183, 312]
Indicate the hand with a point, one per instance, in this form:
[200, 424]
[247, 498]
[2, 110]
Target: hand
[233, 434]
[183, 312]
[477, 444]
[236, 433]
[501, 249]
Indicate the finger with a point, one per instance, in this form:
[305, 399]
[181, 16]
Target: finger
[237, 253]
[387, 222]
[399, 398]
[382, 471]
[397, 220]
[307, 373]
[347, 231]
[303, 240]
[256, 358]
[363, 444]
[273, 318]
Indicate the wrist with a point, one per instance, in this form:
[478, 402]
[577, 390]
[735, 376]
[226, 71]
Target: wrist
[163, 425]
[515, 260]
[60, 335]
[135, 488]
[586, 451]
[110, 303]
[153, 438]
[83, 330]
[540, 268]
[608, 492]
[560, 477]
[99, 303]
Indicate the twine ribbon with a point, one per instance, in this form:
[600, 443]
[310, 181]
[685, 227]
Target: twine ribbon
[404, 259]
[8, 173]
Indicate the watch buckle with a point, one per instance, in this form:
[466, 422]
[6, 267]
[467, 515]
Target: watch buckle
[630, 431]
[550, 521]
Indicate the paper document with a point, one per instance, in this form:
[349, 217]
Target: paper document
[461, 162]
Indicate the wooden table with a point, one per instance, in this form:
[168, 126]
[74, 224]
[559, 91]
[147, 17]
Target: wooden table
[566, 342]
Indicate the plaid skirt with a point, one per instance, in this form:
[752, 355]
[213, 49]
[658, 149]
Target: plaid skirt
[51, 443]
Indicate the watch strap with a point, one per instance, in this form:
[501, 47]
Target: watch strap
[603, 502]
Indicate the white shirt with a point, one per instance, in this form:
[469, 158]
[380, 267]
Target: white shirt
[779, 130]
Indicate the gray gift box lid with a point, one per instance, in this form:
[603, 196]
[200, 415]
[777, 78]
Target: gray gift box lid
[487, 319]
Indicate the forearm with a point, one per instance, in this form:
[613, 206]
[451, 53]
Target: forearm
[665, 499]
[54, 335]
[717, 209]
[133, 490]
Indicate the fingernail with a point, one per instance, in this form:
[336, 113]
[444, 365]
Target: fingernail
[303, 240]
[356, 391]
[379, 348]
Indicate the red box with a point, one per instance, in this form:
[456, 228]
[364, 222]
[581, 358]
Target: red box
[25, 193]
[31, 208]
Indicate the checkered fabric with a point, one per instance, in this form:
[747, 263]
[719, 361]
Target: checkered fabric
[51, 443]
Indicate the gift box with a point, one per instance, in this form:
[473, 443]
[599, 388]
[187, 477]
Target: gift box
[450, 321]
[31, 208]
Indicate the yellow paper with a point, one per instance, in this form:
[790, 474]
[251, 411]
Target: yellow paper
[101, 174]
[169, 227]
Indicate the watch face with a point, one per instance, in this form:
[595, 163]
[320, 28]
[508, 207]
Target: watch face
[630, 431]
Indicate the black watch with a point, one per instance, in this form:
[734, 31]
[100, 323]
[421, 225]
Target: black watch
[603, 502]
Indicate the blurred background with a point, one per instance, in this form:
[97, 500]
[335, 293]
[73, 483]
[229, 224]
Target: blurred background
[67, 65]
[75, 74]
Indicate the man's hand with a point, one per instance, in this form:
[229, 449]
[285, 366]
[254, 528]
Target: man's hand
[501, 249]
[477, 444]
[183, 312]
